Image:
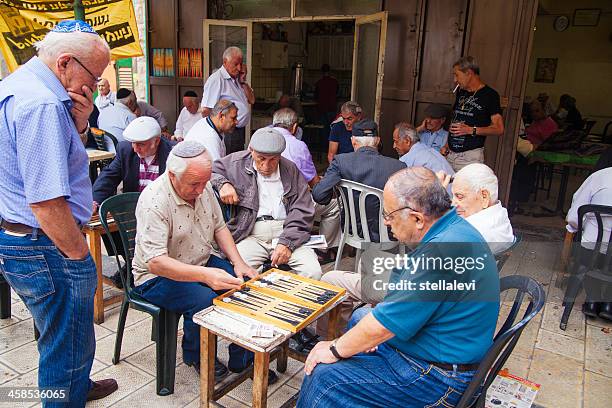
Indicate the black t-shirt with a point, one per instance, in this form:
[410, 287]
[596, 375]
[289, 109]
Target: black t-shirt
[473, 109]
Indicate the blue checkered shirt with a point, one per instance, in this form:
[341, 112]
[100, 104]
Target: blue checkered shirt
[41, 154]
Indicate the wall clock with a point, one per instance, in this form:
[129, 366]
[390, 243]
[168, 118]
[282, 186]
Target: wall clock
[561, 23]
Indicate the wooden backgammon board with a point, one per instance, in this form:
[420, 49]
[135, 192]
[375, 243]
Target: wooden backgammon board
[280, 298]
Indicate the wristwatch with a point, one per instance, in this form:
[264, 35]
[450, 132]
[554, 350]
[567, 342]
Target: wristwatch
[474, 131]
[334, 351]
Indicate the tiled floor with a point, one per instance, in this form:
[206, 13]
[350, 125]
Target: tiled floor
[572, 366]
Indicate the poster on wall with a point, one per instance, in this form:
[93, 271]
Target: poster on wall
[22, 23]
[546, 69]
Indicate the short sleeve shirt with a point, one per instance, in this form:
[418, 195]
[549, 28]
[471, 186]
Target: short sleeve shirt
[168, 225]
[342, 136]
[220, 85]
[473, 109]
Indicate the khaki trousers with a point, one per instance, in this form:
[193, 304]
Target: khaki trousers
[329, 222]
[460, 160]
[257, 248]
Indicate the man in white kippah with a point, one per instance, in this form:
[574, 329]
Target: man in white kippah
[274, 203]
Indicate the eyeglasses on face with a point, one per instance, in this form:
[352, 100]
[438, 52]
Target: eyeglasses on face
[95, 78]
[388, 216]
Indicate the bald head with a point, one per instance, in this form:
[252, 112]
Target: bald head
[103, 87]
[419, 189]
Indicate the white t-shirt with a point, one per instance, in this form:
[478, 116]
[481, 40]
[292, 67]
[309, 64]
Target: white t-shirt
[207, 135]
[494, 225]
[186, 120]
[270, 192]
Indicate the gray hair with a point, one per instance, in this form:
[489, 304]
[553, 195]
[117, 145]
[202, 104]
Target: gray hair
[231, 52]
[407, 131]
[221, 106]
[366, 141]
[77, 43]
[285, 118]
[130, 98]
[178, 165]
[479, 177]
[352, 107]
[468, 62]
[420, 189]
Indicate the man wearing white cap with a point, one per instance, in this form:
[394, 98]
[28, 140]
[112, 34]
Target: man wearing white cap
[274, 204]
[140, 159]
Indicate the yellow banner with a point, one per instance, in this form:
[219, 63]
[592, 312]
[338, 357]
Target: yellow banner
[22, 23]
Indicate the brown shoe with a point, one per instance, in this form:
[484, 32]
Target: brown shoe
[102, 389]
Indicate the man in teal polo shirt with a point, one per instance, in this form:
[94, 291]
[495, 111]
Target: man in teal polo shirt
[423, 343]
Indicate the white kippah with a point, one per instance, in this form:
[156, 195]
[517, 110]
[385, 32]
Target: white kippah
[188, 148]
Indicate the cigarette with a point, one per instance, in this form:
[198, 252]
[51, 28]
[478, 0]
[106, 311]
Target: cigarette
[456, 86]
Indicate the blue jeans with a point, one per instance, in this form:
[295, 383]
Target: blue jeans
[385, 378]
[188, 298]
[59, 294]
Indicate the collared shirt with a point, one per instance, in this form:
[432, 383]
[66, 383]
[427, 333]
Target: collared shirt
[270, 191]
[186, 120]
[152, 112]
[421, 155]
[104, 101]
[41, 154]
[436, 140]
[298, 153]
[205, 132]
[168, 225]
[444, 326]
[596, 189]
[115, 119]
[494, 225]
[220, 85]
[149, 171]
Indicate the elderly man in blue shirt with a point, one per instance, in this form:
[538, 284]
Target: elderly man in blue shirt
[45, 198]
[414, 153]
[422, 344]
[431, 131]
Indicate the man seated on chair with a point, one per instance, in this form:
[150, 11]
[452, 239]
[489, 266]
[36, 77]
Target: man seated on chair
[211, 130]
[189, 116]
[285, 121]
[418, 347]
[431, 131]
[273, 204]
[140, 159]
[414, 153]
[475, 197]
[114, 119]
[365, 165]
[178, 222]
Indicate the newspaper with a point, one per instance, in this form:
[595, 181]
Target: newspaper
[510, 391]
[315, 241]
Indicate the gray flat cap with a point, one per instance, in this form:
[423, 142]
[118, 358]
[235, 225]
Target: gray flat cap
[267, 141]
[188, 148]
[436, 111]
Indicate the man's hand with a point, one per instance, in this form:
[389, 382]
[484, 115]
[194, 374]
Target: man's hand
[458, 129]
[242, 77]
[244, 271]
[444, 178]
[95, 207]
[280, 255]
[228, 194]
[320, 354]
[166, 134]
[218, 279]
[423, 125]
[82, 106]
[444, 150]
[177, 138]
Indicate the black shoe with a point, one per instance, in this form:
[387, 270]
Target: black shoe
[590, 309]
[116, 278]
[305, 341]
[605, 311]
[220, 369]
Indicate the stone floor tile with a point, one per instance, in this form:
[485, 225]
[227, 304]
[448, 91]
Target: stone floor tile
[561, 379]
[129, 379]
[145, 359]
[598, 350]
[517, 365]
[25, 380]
[111, 317]
[20, 310]
[135, 338]
[16, 335]
[596, 390]
[552, 318]
[97, 366]
[296, 380]
[281, 396]
[597, 322]
[10, 321]
[22, 359]
[186, 389]
[102, 332]
[560, 344]
[6, 374]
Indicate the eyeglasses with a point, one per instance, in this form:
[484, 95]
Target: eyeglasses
[96, 79]
[388, 215]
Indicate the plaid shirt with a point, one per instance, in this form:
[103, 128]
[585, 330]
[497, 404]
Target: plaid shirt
[148, 173]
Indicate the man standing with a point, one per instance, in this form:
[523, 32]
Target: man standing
[476, 115]
[229, 82]
[105, 97]
[326, 92]
[431, 132]
[114, 119]
[340, 132]
[211, 130]
[45, 198]
[189, 116]
[414, 153]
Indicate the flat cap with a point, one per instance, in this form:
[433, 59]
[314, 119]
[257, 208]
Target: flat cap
[142, 129]
[188, 148]
[267, 141]
[365, 128]
[436, 111]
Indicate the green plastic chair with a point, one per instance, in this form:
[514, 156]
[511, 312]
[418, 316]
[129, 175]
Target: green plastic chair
[122, 208]
[502, 257]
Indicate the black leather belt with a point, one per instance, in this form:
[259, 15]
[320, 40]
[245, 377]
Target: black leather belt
[18, 228]
[265, 218]
[459, 367]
